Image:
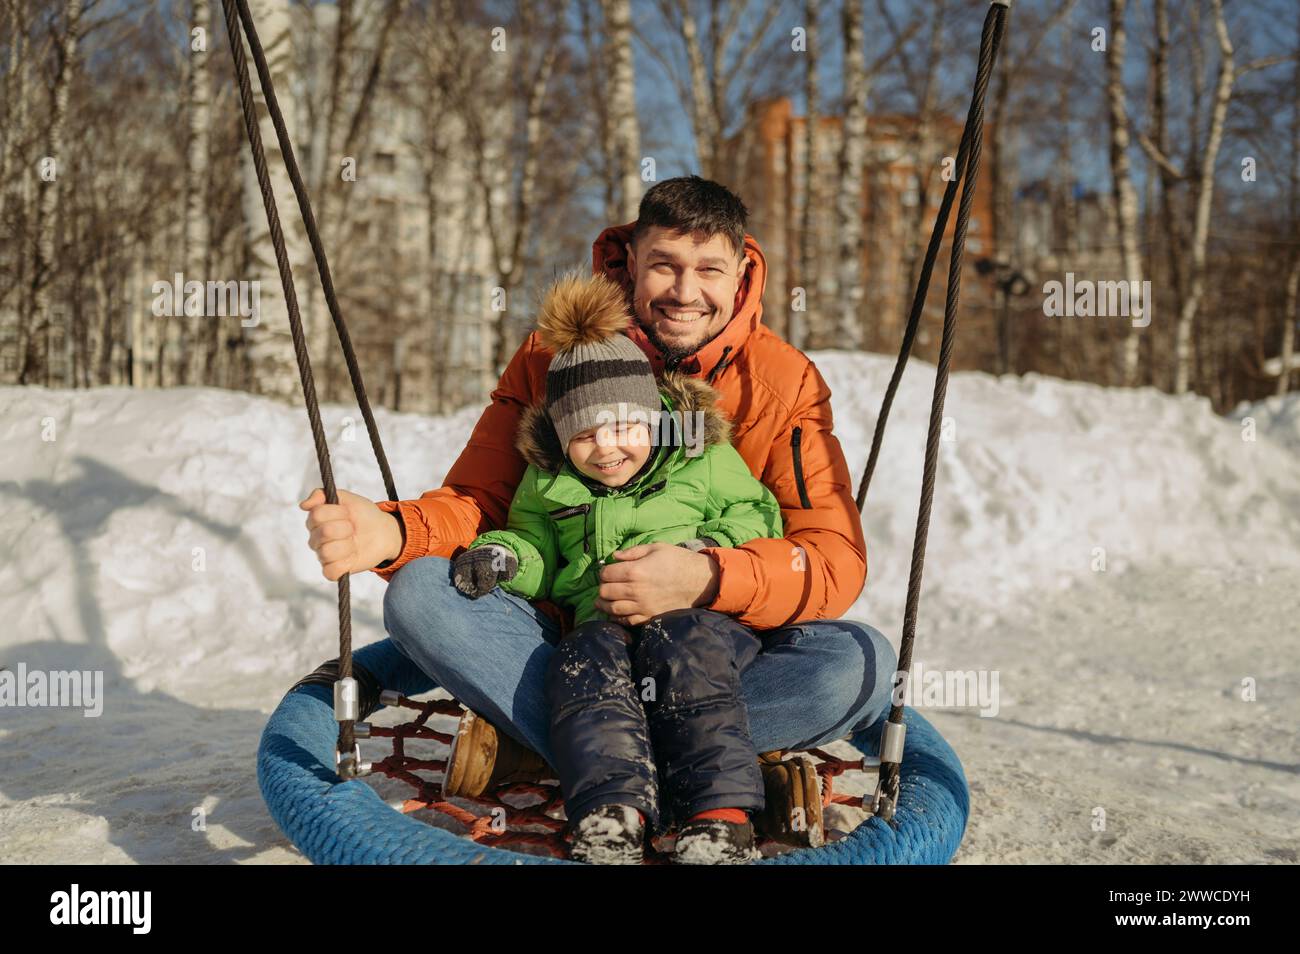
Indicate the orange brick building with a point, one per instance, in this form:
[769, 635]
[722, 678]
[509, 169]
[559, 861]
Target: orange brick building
[898, 215]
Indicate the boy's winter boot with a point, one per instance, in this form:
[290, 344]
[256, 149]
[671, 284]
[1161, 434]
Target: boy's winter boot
[715, 841]
[792, 814]
[482, 758]
[609, 835]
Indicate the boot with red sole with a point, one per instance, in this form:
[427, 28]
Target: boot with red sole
[482, 757]
[792, 814]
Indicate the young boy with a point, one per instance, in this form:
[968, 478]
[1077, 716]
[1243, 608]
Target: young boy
[617, 459]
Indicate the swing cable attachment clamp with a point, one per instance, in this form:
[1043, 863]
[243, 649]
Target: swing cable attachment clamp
[883, 803]
[350, 765]
[347, 704]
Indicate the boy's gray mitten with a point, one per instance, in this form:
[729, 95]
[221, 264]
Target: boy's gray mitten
[698, 544]
[476, 571]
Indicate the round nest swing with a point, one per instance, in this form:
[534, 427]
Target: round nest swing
[308, 762]
[333, 821]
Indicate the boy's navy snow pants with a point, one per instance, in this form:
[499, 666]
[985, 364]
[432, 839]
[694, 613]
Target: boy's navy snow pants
[651, 716]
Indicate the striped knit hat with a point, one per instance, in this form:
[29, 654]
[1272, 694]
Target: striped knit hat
[598, 375]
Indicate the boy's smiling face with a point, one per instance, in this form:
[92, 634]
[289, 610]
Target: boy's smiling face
[611, 453]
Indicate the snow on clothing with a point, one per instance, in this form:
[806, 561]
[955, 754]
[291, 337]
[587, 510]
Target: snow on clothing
[562, 525]
[779, 408]
[630, 706]
[685, 749]
[612, 744]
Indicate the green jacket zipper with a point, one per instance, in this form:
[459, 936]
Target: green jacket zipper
[583, 509]
[796, 440]
[652, 489]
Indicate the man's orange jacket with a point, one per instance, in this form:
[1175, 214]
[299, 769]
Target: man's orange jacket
[780, 410]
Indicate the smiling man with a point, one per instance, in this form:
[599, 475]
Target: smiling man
[685, 290]
[695, 282]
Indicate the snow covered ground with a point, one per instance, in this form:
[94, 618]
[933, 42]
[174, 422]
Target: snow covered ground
[1125, 562]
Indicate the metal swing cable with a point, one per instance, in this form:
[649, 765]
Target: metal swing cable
[918, 302]
[345, 691]
[885, 800]
[313, 235]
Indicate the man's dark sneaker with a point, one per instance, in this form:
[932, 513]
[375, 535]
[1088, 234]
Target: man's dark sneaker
[714, 841]
[609, 835]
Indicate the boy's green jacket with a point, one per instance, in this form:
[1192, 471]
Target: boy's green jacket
[563, 525]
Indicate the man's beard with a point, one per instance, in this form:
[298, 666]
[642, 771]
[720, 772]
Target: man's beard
[674, 354]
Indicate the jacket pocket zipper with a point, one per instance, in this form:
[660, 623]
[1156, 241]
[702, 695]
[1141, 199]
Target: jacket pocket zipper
[796, 441]
[650, 490]
[583, 509]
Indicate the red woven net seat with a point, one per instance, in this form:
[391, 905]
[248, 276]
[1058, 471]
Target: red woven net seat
[526, 816]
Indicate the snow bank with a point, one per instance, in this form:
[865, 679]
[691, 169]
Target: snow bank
[163, 527]
[1042, 482]
[1277, 418]
[155, 536]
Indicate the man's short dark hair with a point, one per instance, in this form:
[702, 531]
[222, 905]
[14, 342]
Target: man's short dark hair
[690, 204]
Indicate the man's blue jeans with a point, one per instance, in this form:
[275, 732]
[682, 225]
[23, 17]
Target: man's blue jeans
[812, 682]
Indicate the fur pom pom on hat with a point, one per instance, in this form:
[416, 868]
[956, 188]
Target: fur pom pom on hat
[579, 310]
[597, 375]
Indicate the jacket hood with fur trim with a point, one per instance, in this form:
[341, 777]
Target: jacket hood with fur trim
[540, 446]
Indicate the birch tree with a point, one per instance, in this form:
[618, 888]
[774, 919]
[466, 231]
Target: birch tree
[923, 83]
[624, 129]
[850, 181]
[1198, 172]
[1126, 204]
[46, 263]
[362, 46]
[594, 31]
[836, 293]
[1170, 238]
[506, 169]
[330, 185]
[442, 85]
[16, 29]
[606, 32]
[813, 324]
[268, 343]
[197, 230]
[13, 194]
[1290, 312]
[1203, 190]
